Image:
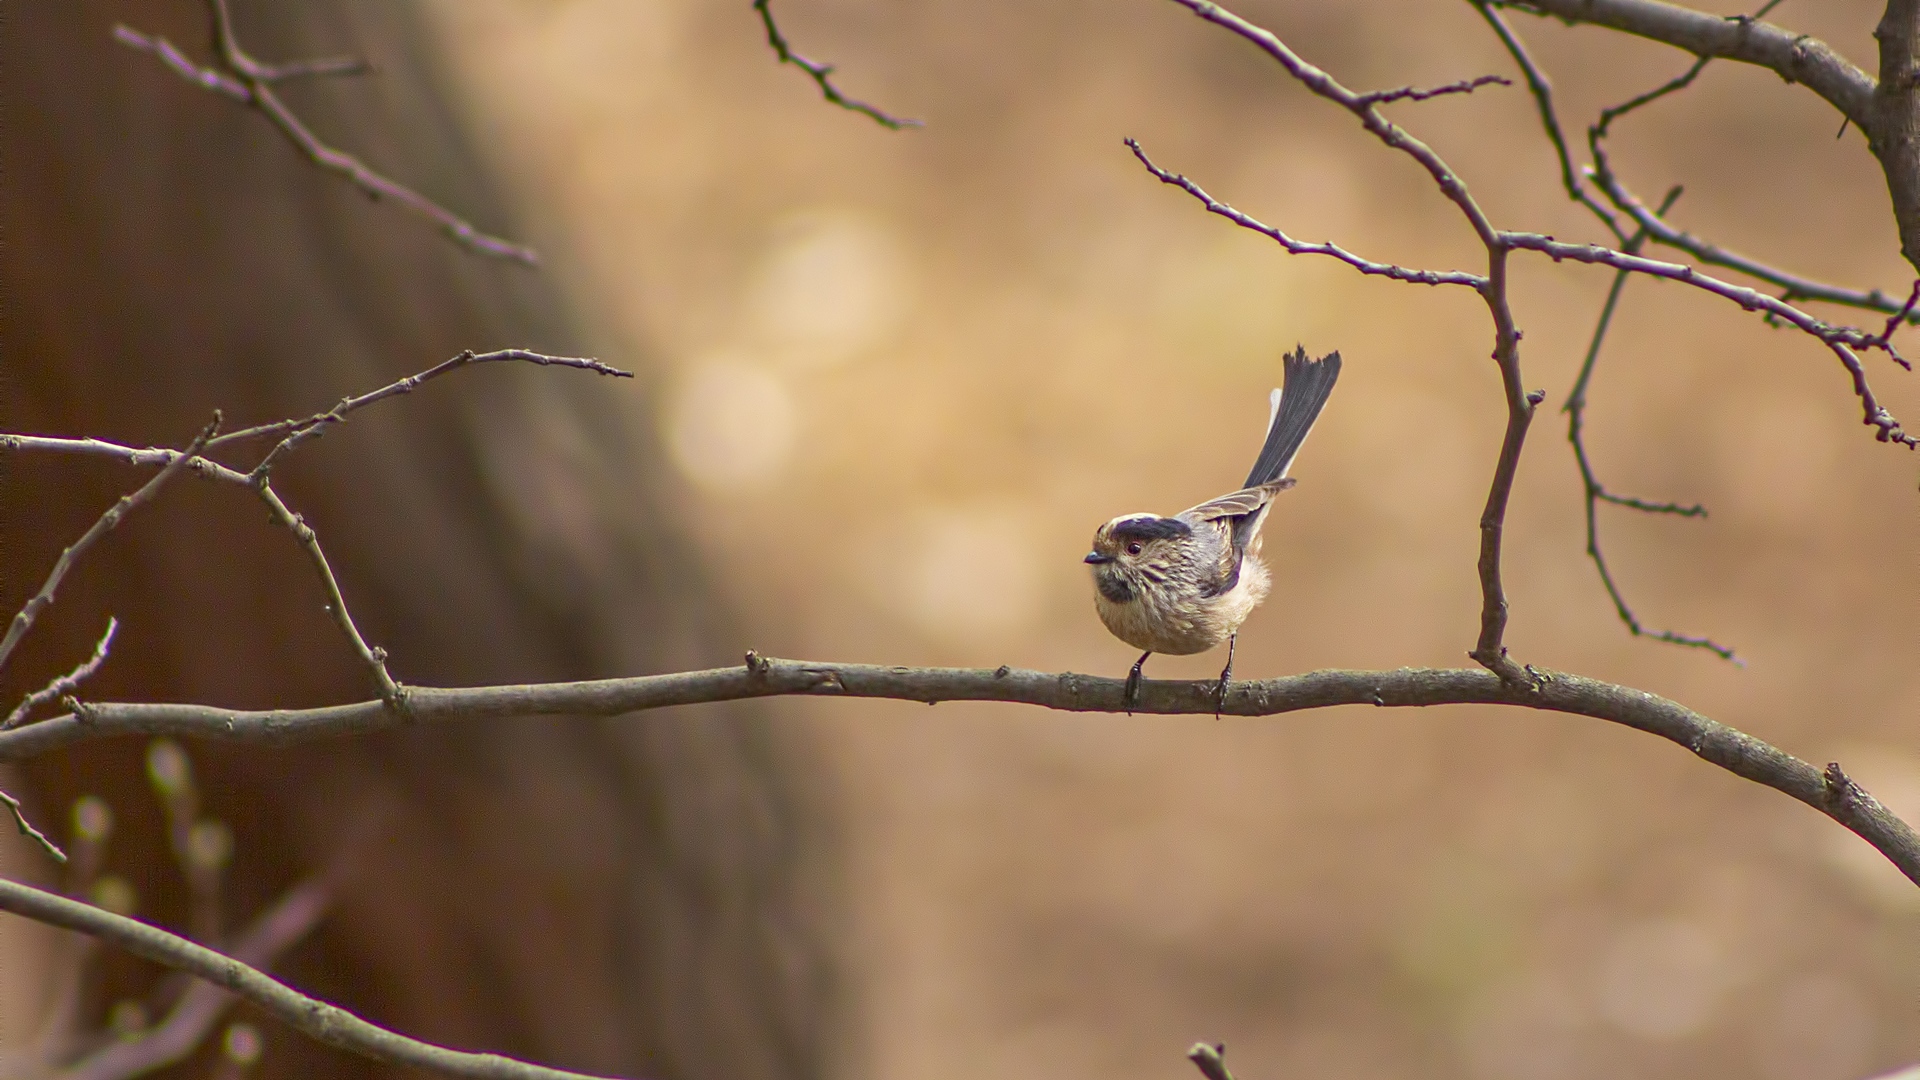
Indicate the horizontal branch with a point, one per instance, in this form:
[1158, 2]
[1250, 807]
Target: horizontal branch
[1413, 93]
[759, 677]
[327, 1023]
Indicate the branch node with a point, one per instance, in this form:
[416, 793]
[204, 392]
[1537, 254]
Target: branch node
[1840, 790]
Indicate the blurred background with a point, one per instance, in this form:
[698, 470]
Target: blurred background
[890, 382]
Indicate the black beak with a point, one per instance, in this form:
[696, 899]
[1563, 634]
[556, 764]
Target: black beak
[1096, 558]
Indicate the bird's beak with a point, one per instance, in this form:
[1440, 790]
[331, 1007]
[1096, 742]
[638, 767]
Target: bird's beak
[1096, 558]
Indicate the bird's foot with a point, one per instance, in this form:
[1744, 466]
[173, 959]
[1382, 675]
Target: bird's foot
[1130, 696]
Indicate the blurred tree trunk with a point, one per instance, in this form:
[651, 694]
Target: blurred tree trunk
[618, 897]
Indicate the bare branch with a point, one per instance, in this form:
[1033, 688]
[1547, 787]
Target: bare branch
[292, 434]
[1796, 287]
[1797, 58]
[374, 658]
[250, 82]
[822, 74]
[1299, 247]
[326, 1023]
[1656, 227]
[296, 432]
[1542, 91]
[24, 620]
[186, 1025]
[1408, 93]
[1839, 339]
[1596, 492]
[27, 830]
[65, 684]
[1887, 110]
[760, 677]
[1905, 313]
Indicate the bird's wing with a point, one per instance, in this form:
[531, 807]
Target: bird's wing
[1235, 518]
[1238, 504]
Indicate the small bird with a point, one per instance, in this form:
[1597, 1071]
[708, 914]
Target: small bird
[1184, 584]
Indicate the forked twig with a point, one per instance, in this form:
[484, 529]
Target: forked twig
[1595, 492]
[250, 82]
[65, 684]
[291, 433]
[23, 620]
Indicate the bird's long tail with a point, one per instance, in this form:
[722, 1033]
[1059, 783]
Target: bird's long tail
[1303, 392]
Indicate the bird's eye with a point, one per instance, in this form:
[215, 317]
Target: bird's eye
[1133, 548]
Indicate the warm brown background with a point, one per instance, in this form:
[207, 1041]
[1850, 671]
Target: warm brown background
[896, 380]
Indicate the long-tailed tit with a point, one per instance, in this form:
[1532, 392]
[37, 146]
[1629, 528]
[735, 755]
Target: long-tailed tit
[1184, 584]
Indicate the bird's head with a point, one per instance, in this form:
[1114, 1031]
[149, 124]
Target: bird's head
[1132, 551]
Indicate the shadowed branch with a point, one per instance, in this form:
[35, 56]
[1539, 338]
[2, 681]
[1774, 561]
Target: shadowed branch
[761, 677]
[250, 82]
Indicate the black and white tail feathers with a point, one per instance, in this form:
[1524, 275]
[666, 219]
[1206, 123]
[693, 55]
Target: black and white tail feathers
[1304, 387]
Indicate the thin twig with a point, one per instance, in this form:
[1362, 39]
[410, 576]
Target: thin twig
[1841, 340]
[296, 431]
[822, 75]
[1717, 743]
[1300, 247]
[1596, 492]
[27, 830]
[24, 619]
[1542, 91]
[1795, 286]
[324, 66]
[1655, 225]
[186, 1025]
[65, 684]
[326, 1023]
[291, 433]
[250, 82]
[1906, 312]
[373, 657]
[1408, 93]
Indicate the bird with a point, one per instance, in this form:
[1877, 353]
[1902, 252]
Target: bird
[1183, 584]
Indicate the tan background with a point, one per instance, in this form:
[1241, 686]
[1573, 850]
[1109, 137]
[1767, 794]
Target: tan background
[902, 376]
[898, 378]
